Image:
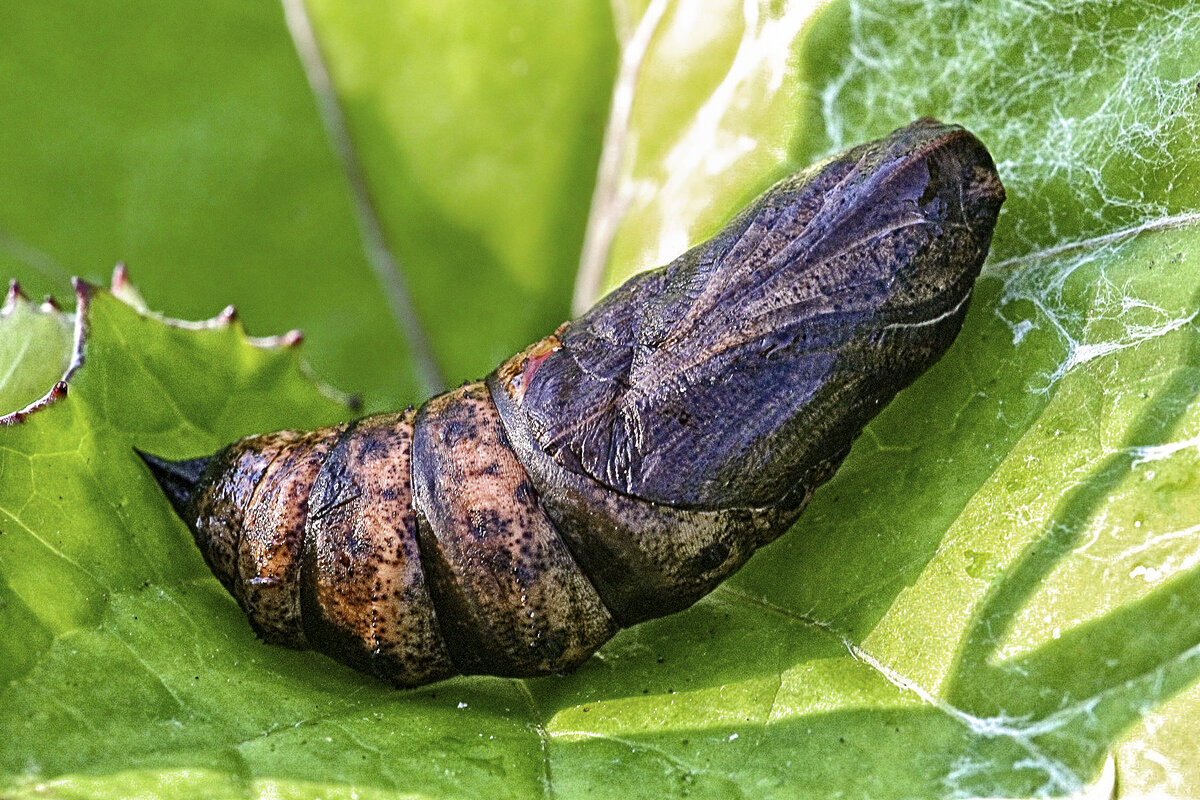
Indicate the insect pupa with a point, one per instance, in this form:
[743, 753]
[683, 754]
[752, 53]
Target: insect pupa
[622, 467]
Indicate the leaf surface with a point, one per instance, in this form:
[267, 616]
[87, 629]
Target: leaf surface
[35, 349]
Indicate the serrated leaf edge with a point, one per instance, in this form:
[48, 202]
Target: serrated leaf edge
[123, 289]
[16, 297]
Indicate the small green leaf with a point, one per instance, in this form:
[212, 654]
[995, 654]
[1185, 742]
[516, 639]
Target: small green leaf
[35, 349]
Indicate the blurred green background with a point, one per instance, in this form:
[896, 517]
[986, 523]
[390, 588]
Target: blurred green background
[185, 140]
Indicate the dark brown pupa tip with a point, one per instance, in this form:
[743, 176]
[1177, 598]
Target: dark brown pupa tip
[178, 479]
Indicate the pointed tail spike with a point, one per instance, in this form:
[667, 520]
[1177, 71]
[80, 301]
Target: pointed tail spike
[178, 479]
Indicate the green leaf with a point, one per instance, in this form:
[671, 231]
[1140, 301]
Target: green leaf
[996, 596]
[35, 349]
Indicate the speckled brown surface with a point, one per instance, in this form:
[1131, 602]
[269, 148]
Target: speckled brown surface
[511, 598]
[273, 536]
[223, 501]
[364, 594]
